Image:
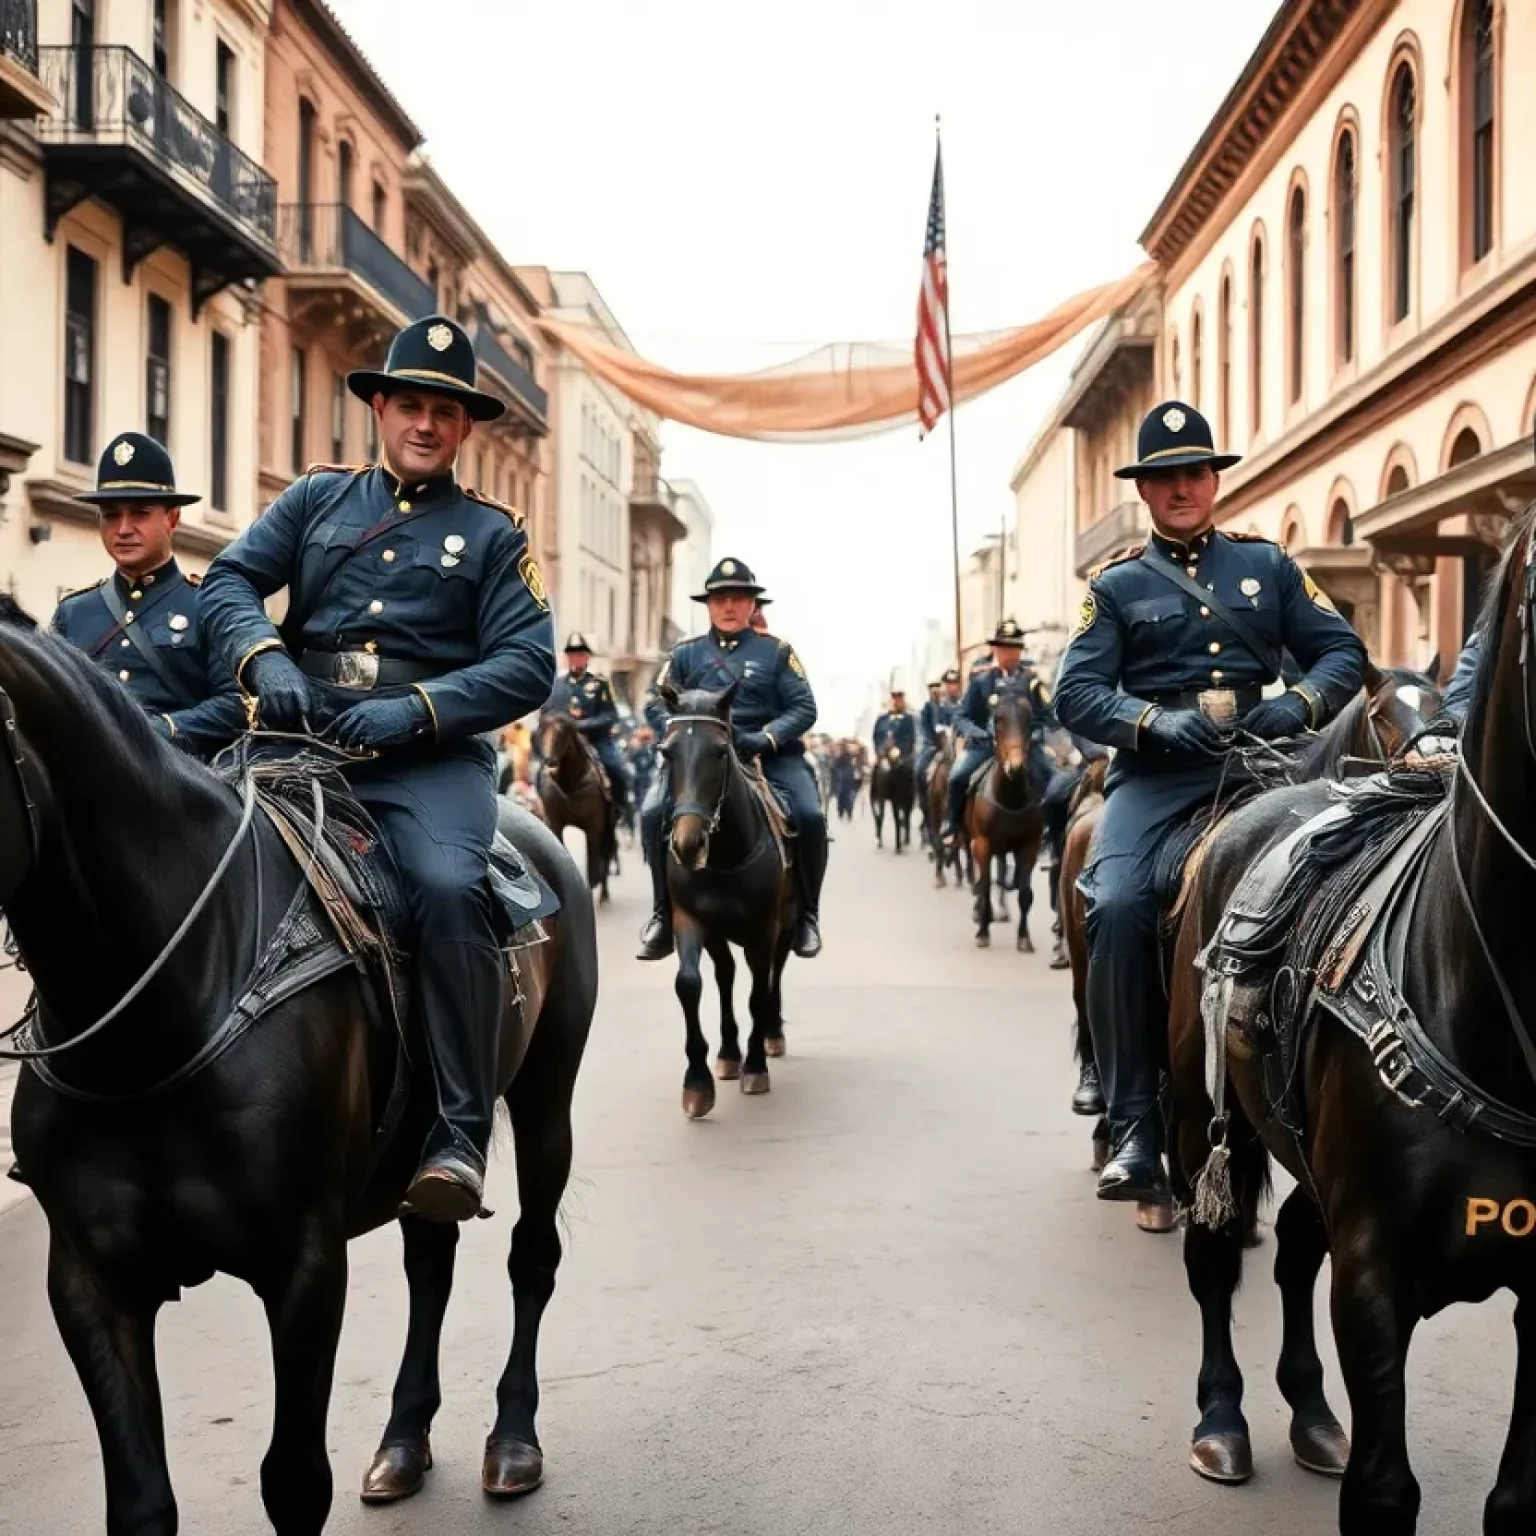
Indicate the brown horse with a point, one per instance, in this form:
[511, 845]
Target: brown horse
[935, 801]
[1085, 815]
[574, 793]
[1004, 815]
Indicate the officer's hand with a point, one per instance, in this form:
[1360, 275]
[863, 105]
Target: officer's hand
[1185, 730]
[751, 743]
[381, 723]
[1272, 719]
[281, 689]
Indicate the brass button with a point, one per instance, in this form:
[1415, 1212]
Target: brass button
[1189, 570]
[405, 506]
[389, 556]
[370, 646]
[1205, 612]
[128, 617]
[1214, 647]
[375, 606]
[135, 595]
[124, 675]
[125, 642]
[1216, 674]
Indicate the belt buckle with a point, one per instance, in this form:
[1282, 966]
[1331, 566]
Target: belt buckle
[355, 669]
[1218, 705]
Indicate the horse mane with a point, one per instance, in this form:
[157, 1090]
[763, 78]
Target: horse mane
[1324, 755]
[1490, 616]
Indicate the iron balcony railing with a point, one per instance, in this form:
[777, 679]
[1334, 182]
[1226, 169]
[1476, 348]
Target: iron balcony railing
[18, 32]
[511, 372]
[650, 488]
[112, 97]
[330, 236]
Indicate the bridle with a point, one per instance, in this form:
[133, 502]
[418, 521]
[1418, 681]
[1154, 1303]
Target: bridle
[709, 815]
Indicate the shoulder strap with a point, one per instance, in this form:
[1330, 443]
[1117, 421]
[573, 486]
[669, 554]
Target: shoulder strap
[141, 641]
[1267, 658]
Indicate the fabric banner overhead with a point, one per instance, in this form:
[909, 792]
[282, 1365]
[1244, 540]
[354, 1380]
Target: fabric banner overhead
[848, 389]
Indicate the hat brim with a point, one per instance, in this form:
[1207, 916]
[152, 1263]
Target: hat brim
[1148, 467]
[578, 650]
[149, 495]
[365, 383]
[716, 588]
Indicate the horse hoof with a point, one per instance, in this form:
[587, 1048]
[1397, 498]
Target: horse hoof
[983, 941]
[754, 1082]
[727, 1071]
[774, 1045]
[1321, 1448]
[1224, 1458]
[1154, 1216]
[396, 1472]
[1100, 1153]
[511, 1468]
[697, 1102]
[1024, 945]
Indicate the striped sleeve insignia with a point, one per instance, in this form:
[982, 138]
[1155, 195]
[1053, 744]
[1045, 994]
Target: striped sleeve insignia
[490, 501]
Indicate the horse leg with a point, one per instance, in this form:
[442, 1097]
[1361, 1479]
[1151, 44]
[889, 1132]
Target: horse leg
[698, 1085]
[982, 853]
[112, 1345]
[728, 1058]
[1511, 1507]
[541, 1132]
[1024, 863]
[400, 1465]
[1002, 887]
[774, 1045]
[754, 1070]
[304, 1312]
[1373, 1323]
[1301, 1245]
[1213, 1262]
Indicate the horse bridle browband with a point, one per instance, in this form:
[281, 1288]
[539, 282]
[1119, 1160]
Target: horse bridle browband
[710, 817]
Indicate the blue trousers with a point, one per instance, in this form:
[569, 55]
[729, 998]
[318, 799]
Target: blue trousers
[612, 759]
[925, 759]
[967, 765]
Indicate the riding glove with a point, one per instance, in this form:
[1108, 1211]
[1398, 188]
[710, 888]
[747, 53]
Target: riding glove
[381, 723]
[1273, 718]
[1185, 730]
[282, 691]
[751, 743]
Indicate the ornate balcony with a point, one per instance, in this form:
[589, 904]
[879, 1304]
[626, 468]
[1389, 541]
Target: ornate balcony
[22, 94]
[513, 382]
[127, 137]
[341, 274]
[1121, 525]
[651, 499]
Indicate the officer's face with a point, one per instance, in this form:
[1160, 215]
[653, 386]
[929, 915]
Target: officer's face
[1007, 656]
[953, 689]
[730, 612]
[138, 536]
[422, 432]
[576, 661]
[1181, 500]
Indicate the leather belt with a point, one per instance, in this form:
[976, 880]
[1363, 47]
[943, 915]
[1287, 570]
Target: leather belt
[1223, 705]
[363, 670]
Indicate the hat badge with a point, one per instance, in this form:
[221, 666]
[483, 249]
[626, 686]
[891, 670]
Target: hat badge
[1174, 419]
[439, 338]
[122, 454]
[728, 568]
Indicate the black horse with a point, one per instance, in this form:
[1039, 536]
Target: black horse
[730, 881]
[175, 1148]
[893, 782]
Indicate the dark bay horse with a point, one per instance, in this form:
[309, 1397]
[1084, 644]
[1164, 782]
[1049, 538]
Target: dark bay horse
[893, 782]
[573, 793]
[157, 1167]
[731, 883]
[935, 799]
[1004, 815]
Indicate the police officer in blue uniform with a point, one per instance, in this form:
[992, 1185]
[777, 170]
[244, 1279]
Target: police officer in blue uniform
[642, 761]
[938, 714]
[142, 623]
[897, 727]
[773, 709]
[1174, 643]
[587, 697]
[1458, 692]
[973, 720]
[416, 621]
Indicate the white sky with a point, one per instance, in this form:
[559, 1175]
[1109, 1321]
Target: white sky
[745, 183]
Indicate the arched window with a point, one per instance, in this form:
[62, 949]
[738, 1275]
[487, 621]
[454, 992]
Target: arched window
[1467, 446]
[1296, 291]
[1477, 82]
[1397, 481]
[1194, 359]
[1344, 249]
[1256, 340]
[344, 173]
[1341, 526]
[1173, 369]
[1402, 168]
[1224, 363]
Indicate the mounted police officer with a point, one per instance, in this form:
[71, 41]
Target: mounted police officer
[416, 620]
[771, 712]
[587, 698]
[973, 720]
[142, 622]
[938, 714]
[1174, 643]
[897, 728]
[759, 619]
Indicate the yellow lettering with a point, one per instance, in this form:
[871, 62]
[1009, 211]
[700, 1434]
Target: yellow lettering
[1480, 1213]
[1527, 1214]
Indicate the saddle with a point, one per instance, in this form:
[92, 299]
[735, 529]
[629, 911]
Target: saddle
[776, 809]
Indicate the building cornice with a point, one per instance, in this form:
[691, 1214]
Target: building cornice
[424, 186]
[325, 25]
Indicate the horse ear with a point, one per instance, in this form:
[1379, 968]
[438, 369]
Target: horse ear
[728, 695]
[1432, 671]
[1374, 677]
[668, 695]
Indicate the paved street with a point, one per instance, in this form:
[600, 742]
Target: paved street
[880, 1299]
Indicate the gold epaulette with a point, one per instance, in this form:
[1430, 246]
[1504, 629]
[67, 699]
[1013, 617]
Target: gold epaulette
[1130, 552]
[501, 506]
[1248, 538]
[337, 469]
[81, 591]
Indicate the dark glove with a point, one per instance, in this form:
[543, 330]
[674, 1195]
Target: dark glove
[1185, 730]
[283, 691]
[751, 743]
[1271, 719]
[381, 723]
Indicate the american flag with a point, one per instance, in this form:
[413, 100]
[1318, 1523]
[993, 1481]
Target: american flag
[933, 376]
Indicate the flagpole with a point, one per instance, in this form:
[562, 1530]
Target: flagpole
[954, 476]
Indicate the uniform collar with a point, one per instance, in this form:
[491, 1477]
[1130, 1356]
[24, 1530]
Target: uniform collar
[1177, 549]
[129, 586]
[433, 485]
[729, 642]
[577, 677]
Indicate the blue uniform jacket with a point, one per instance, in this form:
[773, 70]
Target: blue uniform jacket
[935, 715]
[774, 696]
[973, 719]
[1458, 692]
[1139, 637]
[201, 702]
[896, 730]
[589, 701]
[421, 572]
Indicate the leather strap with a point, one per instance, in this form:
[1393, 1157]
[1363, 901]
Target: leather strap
[1268, 659]
[134, 630]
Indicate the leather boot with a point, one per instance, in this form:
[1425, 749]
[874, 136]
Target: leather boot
[808, 937]
[1089, 1098]
[1135, 1167]
[1060, 960]
[656, 936]
[810, 871]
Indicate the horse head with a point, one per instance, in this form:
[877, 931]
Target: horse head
[22, 781]
[1398, 703]
[1012, 720]
[700, 760]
